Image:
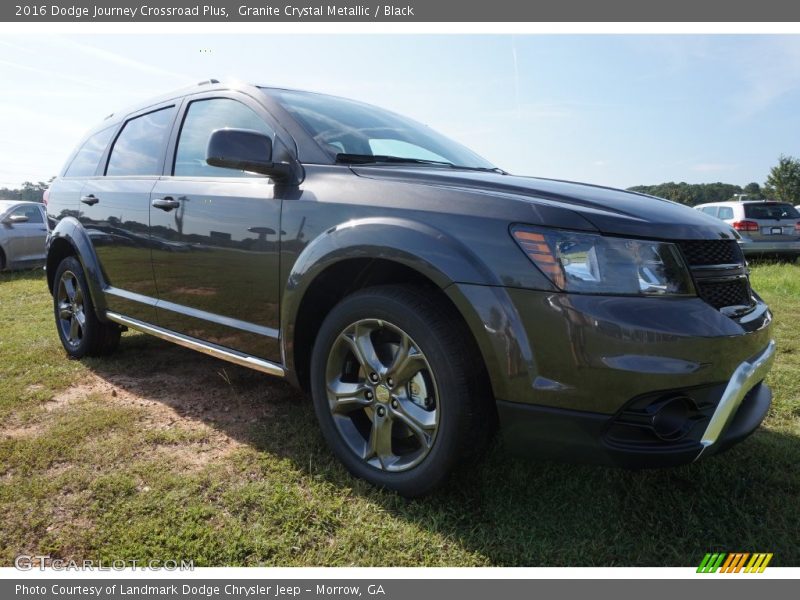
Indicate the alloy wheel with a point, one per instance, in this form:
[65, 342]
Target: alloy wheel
[70, 309]
[382, 395]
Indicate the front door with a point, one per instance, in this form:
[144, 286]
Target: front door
[27, 239]
[215, 238]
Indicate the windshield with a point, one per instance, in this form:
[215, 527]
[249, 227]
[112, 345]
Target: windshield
[356, 132]
[770, 210]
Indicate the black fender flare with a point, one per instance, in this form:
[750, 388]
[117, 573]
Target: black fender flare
[437, 256]
[70, 231]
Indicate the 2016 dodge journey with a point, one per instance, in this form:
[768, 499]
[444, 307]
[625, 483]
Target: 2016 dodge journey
[419, 294]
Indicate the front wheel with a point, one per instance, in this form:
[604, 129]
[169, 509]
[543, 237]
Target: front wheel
[80, 331]
[398, 389]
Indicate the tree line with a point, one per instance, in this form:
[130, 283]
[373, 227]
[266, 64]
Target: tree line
[782, 184]
[31, 192]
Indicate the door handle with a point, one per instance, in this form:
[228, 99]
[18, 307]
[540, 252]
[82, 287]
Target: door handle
[91, 199]
[167, 203]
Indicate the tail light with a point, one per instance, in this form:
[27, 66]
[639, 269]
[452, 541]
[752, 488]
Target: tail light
[748, 225]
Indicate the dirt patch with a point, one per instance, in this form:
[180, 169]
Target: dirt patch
[194, 408]
[17, 433]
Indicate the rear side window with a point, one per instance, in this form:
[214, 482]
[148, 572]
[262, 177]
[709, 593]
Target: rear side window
[771, 210]
[725, 212]
[88, 157]
[139, 147]
[202, 118]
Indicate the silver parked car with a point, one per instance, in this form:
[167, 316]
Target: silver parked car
[765, 227]
[23, 232]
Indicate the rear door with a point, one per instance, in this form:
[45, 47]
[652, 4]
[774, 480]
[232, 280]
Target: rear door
[115, 210]
[776, 221]
[215, 251]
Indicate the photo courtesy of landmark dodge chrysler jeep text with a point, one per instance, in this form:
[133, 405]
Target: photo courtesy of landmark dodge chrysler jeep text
[419, 294]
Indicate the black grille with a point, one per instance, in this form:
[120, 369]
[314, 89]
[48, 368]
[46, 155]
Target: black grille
[719, 272]
[711, 252]
[726, 293]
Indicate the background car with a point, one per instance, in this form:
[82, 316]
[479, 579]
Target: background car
[23, 232]
[766, 228]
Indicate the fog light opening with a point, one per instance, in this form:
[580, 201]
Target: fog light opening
[673, 418]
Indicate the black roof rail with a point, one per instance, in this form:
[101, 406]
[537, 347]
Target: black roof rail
[208, 82]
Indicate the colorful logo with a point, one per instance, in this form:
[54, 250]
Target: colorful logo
[734, 562]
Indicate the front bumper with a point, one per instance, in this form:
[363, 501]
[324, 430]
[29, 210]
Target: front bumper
[576, 376]
[585, 437]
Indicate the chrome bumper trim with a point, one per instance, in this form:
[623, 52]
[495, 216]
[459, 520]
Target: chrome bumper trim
[228, 354]
[744, 378]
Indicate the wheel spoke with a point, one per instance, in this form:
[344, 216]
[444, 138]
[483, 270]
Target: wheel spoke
[380, 442]
[80, 316]
[421, 422]
[69, 287]
[408, 362]
[73, 329]
[363, 349]
[346, 397]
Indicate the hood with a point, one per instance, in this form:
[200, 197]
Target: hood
[608, 210]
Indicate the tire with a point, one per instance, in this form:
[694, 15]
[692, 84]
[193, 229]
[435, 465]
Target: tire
[80, 331]
[399, 388]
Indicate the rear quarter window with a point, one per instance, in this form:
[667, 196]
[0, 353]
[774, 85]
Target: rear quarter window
[88, 155]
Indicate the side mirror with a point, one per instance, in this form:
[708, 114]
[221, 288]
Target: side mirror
[15, 219]
[245, 150]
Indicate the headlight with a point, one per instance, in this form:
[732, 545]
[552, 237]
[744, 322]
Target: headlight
[596, 264]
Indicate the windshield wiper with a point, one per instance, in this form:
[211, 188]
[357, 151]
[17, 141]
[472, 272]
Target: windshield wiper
[369, 159]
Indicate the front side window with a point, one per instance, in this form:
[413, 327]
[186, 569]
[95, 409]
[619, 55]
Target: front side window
[140, 145]
[88, 157]
[710, 210]
[32, 212]
[202, 118]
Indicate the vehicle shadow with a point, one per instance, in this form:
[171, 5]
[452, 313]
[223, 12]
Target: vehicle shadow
[512, 511]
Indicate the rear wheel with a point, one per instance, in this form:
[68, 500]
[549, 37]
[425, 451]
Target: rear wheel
[398, 389]
[80, 331]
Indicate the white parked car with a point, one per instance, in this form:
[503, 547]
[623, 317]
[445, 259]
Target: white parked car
[766, 228]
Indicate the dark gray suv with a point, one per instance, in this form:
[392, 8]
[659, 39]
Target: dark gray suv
[418, 293]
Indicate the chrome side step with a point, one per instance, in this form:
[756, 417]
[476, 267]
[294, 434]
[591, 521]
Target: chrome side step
[228, 354]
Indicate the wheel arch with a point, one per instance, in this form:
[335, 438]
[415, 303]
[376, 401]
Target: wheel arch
[366, 253]
[69, 238]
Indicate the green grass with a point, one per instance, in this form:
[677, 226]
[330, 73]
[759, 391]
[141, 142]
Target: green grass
[159, 452]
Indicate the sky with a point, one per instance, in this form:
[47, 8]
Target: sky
[617, 110]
